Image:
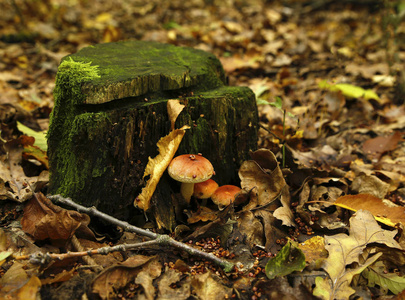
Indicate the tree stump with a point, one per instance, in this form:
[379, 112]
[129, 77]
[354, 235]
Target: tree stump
[110, 111]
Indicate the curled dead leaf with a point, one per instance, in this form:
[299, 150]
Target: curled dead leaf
[174, 108]
[42, 219]
[167, 146]
[263, 176]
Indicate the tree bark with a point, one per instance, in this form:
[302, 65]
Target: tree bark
[110, 111]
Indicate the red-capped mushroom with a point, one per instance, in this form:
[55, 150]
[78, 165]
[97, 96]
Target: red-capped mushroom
[190, 169]
[204, 190]
[225, 195]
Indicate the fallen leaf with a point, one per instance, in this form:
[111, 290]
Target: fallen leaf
[17, 284]
[171, 277]
[284, 212]
[146, 276]
[378, 274]
[350, 91]
[263, 176]
[388, 215]
[340, 289]
[369, 184]
[203, 214]
[174, 108]
[34, 152]
[288, 260]
[60, 277]
[377, 146]
[280, 288]
[167, 146]
[42, 219]
[345, 250]
[39, 136]
[314, 250]
[108, 282]
[207, 287]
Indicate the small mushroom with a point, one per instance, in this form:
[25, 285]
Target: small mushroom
[190, 169]
[225, 195]
[204, 190]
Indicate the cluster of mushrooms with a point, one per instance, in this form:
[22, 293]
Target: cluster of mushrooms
[194, 173]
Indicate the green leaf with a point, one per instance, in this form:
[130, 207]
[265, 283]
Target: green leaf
[376, 275]
[260, 90]
[40, 136]
[261, 101]
[289, 259]
[171, 25]
[278, 103]
[4, 255]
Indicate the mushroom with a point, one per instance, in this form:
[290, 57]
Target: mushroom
[225, 195]
[204, 190]
[190, 169]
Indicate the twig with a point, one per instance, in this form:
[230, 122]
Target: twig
[78, 247]
[159, 239]
[41, 258]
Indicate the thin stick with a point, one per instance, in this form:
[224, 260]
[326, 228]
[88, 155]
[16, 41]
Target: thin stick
[160, 239]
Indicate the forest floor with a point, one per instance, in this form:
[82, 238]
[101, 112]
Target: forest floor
[329, 82]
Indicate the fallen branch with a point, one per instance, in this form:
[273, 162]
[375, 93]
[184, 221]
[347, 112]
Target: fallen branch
[159, 239]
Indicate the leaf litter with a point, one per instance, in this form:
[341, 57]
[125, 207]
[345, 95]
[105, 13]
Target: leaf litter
[335, 73]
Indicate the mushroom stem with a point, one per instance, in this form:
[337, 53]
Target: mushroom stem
[187, 190]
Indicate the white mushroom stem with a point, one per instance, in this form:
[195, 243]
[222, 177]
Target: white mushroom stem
[187, 190]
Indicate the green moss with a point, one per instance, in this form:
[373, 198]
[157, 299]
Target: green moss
[134, 68]
[66, 121]
[71, 75]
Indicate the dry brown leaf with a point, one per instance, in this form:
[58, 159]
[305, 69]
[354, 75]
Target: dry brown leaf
[165, 286]
[209, 288]
[42, 219]
[203, 214]
[167, 146]
[262, 175]
[369, 184]
[377, 146]
[284, 212]
[345, 249]
[112, 279]
[383, 213]
[251, 226]
[16, 284]
[145, 278]
[60, 277]
[174, 108]
[14, 184]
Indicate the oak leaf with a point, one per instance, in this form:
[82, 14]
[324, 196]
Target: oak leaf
[345, 250]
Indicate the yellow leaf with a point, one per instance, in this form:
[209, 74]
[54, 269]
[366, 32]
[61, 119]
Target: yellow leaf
[382, 213]
[167, 146]
[174, 108]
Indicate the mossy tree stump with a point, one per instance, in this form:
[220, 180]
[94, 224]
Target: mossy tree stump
[110, 111]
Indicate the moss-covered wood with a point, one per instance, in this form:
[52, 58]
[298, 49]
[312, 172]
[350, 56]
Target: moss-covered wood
[110, 111]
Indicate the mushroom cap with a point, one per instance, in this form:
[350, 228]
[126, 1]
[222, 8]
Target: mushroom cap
[204, 190]
[190, 168]
[225, 195]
